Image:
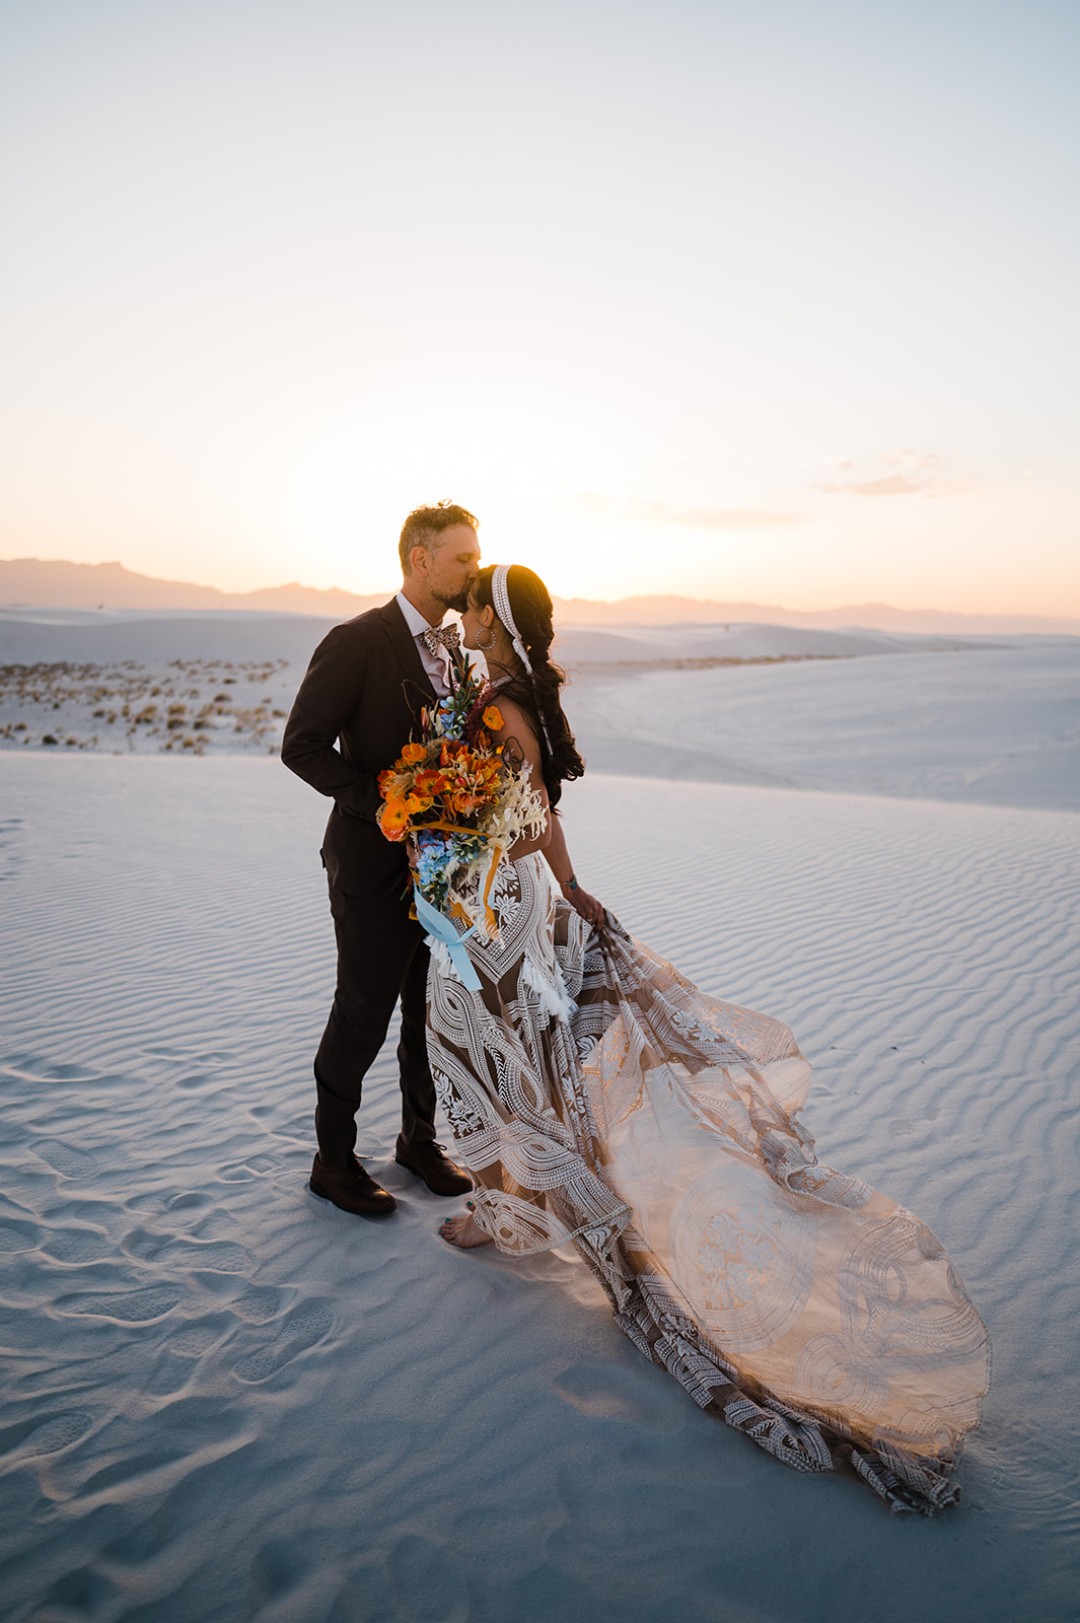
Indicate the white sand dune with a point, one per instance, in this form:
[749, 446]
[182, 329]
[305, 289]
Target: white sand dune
[42, 636]
[144, 683]
[853, 711]
[31, 636]
[587, 645]
[990, 725]
[225, 1400]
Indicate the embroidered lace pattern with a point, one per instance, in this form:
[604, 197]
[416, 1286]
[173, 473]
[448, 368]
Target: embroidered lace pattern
[598, 1098]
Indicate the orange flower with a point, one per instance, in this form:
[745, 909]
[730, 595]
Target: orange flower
[394, 819]
[413, 753]
[493, 718]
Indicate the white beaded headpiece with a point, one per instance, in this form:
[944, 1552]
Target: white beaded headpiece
[500, 597]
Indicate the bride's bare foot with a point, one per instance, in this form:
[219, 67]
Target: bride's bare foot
[464, 1231]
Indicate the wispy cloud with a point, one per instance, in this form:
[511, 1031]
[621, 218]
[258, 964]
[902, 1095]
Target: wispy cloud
[920, 473]
[691, 518]
[896, 484]
[908, 458]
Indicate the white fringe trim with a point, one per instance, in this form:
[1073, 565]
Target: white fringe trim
[552, 995]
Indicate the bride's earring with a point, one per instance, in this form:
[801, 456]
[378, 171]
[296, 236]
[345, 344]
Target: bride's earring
[490, 643]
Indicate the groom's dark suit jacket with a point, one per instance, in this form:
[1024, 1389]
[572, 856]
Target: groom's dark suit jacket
[358, 704]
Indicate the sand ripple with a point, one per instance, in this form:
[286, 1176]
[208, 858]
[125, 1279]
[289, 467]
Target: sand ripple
[227, 1400]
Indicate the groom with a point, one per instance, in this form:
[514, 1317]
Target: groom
[358, 703]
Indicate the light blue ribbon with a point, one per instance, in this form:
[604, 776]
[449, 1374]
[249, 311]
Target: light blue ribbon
[442, 930]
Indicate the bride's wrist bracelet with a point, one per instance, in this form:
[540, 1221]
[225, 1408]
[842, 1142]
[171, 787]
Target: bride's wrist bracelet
[569, 884]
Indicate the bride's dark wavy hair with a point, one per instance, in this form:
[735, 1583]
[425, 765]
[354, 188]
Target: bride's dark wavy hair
[530, 605]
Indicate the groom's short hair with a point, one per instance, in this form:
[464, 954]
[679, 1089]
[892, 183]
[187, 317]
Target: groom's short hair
[424, 526]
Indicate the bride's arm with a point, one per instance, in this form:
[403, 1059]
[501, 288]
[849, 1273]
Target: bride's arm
[521, 743]
[517, 735]
[558, 859]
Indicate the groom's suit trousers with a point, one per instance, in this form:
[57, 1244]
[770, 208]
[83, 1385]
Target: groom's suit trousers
[381, 956]
[359, 702]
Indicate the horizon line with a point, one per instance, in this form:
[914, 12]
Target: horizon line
[608, 603]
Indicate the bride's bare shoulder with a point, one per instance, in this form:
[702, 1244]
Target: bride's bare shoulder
[512, 713]
[517, 728]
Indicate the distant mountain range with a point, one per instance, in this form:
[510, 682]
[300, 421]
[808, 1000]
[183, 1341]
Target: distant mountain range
[38, 583]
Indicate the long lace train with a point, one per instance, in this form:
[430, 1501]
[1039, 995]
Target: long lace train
[598, 1097]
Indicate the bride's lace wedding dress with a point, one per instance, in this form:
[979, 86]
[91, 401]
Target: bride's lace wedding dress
[598, 1098]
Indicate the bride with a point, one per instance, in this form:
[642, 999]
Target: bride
[600, 1100]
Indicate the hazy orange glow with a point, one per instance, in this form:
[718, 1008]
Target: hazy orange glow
[788, 343]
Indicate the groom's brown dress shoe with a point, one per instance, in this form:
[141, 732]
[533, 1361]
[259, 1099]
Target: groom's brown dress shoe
[351, 1188]
[428, 1162]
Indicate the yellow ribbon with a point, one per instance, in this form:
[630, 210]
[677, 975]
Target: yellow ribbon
[456, 910]
[489, 911]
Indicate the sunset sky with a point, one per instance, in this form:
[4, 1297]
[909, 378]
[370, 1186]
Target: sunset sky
[772, 301]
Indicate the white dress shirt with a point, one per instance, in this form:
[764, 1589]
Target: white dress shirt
[437, 665]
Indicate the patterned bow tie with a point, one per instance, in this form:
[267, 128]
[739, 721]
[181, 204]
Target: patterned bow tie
[442, 637]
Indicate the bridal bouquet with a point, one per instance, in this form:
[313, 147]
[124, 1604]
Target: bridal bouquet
[460, 801]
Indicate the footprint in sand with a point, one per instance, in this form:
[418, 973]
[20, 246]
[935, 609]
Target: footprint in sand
[69, 1162]
[607, 1392]
[81, 1593]
[146, 1246]
[52, 1435]
[132, 1307]
[16, 1236]
[298, 1130]
[76, 1245]
[428, 1581]
[297, 1332]
[277, 1571]
[198, 1080]
[190, 1200]
[208, 1256]
[199, 1336]
[33, 1068]
[263, 1163]
[155, 1204]
[195, 1256]
[260, 1303]
[256, 1166]
[62, 1072]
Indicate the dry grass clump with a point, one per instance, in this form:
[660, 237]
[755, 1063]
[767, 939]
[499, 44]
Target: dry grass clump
[124, 707]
